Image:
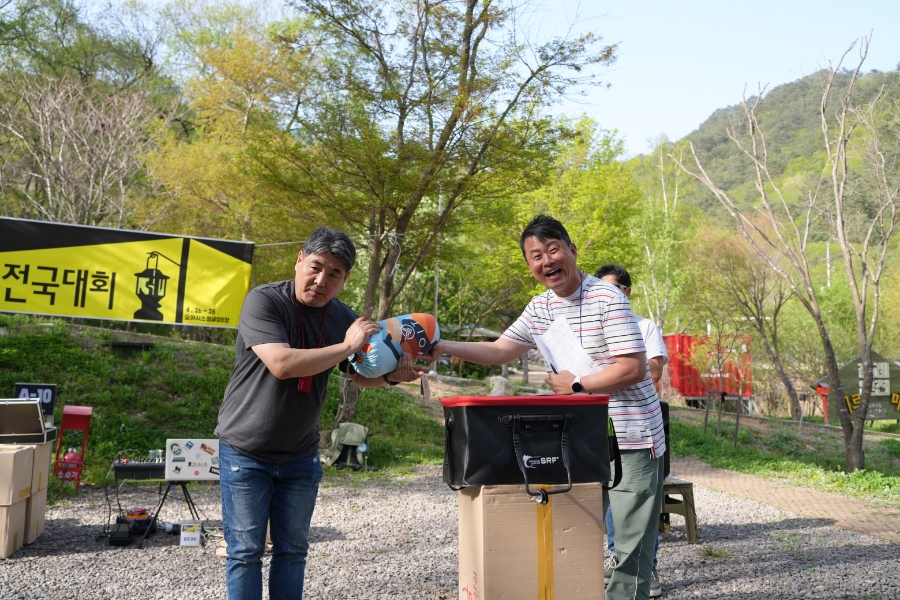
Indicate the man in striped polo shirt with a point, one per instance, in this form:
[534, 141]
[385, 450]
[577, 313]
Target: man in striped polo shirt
[600, 316]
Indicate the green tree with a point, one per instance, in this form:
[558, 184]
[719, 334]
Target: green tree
[238, 75]
[81, 103]
[420, 108]
[593, 193]
[856, 203]
[662, 228]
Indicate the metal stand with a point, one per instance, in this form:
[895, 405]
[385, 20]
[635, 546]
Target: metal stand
[188, 500]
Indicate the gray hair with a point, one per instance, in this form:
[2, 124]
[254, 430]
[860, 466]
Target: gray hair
[336, 243]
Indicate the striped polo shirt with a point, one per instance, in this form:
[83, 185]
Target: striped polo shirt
[600, 316]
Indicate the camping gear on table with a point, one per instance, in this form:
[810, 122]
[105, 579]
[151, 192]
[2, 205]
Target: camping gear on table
[511, 440]
[350, 447]
[414, 334]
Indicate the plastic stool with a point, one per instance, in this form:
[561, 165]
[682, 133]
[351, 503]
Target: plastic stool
[683, 507]
[75, 418]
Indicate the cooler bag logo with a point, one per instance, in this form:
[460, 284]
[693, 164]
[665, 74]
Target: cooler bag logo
[536, 461]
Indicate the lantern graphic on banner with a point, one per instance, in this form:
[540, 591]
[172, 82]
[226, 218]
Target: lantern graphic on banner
[151, 288]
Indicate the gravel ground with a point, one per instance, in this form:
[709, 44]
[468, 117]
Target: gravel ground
[398, 540]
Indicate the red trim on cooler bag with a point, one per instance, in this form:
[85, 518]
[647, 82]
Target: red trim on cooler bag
[566, 400]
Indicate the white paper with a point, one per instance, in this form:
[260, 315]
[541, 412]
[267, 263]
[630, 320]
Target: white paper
[562, 350]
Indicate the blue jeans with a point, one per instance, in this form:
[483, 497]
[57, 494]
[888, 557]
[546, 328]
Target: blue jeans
[611, 537]
[254, 492]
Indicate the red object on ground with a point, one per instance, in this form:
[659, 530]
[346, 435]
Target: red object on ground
[823, 391]
[692, 384]
[75, 418]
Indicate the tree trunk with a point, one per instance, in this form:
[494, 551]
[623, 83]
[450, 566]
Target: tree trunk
[374, 273]
[349, 396]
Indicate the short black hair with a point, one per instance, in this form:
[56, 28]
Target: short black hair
[544, 228]
[621, 274]
[336, 243]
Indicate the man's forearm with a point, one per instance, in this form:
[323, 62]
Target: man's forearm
[483, 353]
[368, 382]
[613, 378]
[656, 368]
[285, 362]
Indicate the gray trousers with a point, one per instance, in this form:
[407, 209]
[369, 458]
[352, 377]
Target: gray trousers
[635, 504]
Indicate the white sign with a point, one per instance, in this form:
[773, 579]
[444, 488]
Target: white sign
[190, 534]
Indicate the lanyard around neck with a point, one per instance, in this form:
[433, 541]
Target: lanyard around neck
[581, 279]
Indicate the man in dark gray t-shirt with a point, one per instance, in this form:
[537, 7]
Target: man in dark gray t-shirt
[290, 337]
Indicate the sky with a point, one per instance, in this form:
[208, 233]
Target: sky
[679, 61]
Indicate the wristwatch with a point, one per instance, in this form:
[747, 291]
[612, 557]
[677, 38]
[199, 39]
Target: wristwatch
[389, 382]
[577, 388]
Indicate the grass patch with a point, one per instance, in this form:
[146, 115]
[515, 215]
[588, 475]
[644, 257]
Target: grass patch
[713, 552]
[402, 434]
[175, 391]
[812, 459]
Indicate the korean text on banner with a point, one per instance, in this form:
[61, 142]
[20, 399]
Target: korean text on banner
[98, 273]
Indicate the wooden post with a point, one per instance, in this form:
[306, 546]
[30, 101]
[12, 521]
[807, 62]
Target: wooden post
[721, 408]
[706, 410]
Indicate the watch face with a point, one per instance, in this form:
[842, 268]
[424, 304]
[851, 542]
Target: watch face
[576, 386]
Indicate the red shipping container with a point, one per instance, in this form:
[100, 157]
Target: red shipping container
[692, 384]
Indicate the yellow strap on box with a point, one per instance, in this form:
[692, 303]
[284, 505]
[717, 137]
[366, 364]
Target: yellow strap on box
[545, 547]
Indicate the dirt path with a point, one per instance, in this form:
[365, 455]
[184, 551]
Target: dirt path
[835, 509]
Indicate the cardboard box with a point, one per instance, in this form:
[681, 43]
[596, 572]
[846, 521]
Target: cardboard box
[41, 470]
[35, 510]
[16, 472]
[12, 528]
[511, 547]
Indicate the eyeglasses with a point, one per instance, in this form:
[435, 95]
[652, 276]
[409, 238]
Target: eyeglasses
[622, 287]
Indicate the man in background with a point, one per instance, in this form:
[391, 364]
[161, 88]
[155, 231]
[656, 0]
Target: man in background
[657, 358]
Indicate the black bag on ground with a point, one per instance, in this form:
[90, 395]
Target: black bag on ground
[511, 440]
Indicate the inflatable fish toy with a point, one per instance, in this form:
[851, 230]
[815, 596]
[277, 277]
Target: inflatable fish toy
[414, 334]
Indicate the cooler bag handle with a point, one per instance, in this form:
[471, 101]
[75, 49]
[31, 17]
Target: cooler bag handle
[614, 453]
[448, 458]
[542, 495]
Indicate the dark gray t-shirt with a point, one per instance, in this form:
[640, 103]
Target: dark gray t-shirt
[263, 417]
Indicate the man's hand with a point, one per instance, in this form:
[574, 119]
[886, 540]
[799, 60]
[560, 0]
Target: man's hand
[561, 383]
[361, 330]
[433, 354]
[406, 371]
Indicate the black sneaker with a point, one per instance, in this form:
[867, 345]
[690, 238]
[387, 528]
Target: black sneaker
[655, 587]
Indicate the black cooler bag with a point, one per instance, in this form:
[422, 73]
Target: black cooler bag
[511, 440]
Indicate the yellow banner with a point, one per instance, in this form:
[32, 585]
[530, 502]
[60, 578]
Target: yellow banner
[97, 273]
